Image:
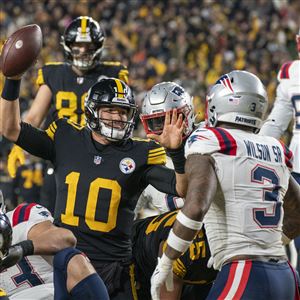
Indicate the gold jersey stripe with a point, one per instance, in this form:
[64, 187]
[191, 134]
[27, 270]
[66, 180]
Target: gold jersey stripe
[40, 78]
[83, 25]
[51, 130]
[156, 150]
[120, 89]
[157, 154]
[178, 268]
[132, 282]
[159, 160]
[54, 63]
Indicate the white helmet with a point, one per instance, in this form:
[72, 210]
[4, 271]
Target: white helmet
[163, 97]
[238, 97]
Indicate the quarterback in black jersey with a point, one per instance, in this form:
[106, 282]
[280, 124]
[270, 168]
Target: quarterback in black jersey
[192, 277]
[101, 172]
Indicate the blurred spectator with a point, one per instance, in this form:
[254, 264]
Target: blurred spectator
[189, 42]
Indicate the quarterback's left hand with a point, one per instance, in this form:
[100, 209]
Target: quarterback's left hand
[163, 273]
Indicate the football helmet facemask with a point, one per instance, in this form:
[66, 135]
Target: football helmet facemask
[83, 30]
[5, 229]
[110, 92]
[238, 97]
[164, 97]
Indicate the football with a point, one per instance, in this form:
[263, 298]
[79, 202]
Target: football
[21, 50]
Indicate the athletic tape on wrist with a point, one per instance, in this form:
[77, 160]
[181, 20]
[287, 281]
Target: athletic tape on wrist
[187, 222]
[177, 243]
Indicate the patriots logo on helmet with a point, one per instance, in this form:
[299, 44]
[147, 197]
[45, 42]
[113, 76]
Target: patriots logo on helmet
[226, 82]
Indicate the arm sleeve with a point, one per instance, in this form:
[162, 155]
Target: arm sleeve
[36, 142]
[162, 178]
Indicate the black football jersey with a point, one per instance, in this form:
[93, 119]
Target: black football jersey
[148, 233]
[69, 89]
[98, 186]
[28, 182]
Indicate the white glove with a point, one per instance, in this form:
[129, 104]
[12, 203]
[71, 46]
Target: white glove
[163, 273]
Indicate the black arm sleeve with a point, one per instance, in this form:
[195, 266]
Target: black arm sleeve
[36, 142]
[162, 178]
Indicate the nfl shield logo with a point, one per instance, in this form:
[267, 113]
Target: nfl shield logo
[80, 80]
[97, 160]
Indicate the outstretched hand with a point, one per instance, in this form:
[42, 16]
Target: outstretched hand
[171, 137]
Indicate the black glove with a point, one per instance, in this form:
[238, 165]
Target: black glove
[16, 253]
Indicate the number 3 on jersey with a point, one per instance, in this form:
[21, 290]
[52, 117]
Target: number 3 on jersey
[264, 219]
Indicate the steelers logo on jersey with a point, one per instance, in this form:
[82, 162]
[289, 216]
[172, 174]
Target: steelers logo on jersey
[127, 165]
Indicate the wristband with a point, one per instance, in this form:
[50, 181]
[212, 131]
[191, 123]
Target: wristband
[187, 222]
[27, 247]
[177, 243]
[178, 159]
[11, 89]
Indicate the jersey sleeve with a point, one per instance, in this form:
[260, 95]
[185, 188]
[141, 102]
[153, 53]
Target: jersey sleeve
[46, 73]
[202, 141]
[25, 216]
[156, 154]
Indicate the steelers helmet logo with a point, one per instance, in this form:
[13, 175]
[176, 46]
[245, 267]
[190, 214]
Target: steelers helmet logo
[127, 165]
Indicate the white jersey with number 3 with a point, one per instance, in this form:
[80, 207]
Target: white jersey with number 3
[286, 107]
[32, 277]
[246, 216]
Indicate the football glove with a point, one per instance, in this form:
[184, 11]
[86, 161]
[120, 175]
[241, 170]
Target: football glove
[16, 157]
[16, 253]
[163, 273]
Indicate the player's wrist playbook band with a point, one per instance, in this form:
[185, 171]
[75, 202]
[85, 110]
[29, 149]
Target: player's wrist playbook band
[178, 159]
[27, 247]
[187, 222]
[11, 89]
[177, 243]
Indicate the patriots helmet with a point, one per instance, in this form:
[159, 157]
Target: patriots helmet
[164, 97]
[238, 97]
